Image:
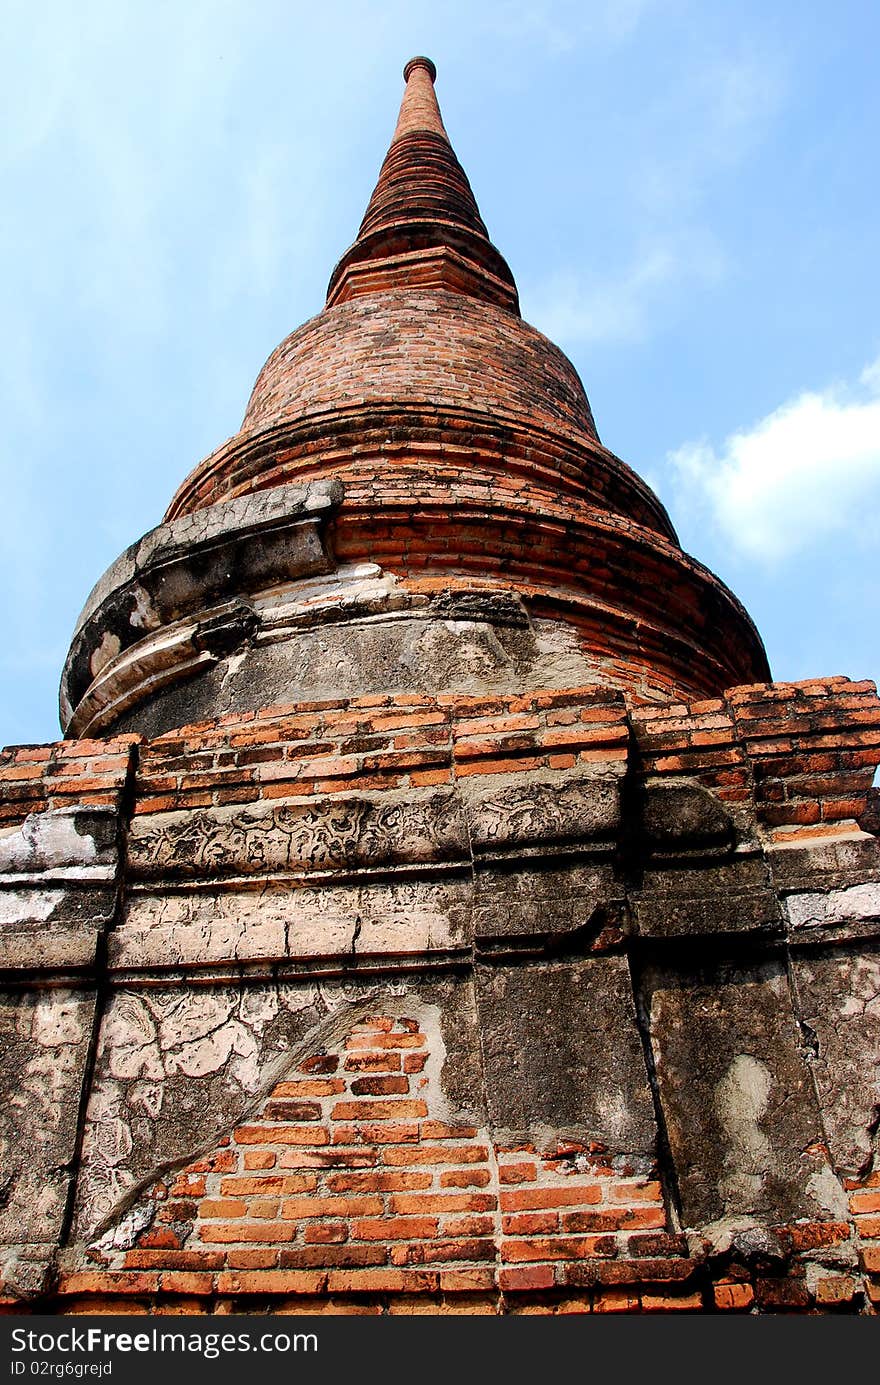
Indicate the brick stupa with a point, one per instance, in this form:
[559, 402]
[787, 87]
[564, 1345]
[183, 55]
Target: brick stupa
[433, 906]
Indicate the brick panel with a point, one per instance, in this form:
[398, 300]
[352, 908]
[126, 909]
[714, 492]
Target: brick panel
[328, 1186]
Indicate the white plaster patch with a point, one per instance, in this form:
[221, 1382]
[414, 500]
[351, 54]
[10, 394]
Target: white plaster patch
[211, 1053]
[186, 1018]
[855, 903]
[826, 1189]
[143, 616]
[130, 1041]
[740, 1101]
[615, 1113]
[23, 906]
[354, 586]
[146, 1097]
[57, 1021]
[46, 841]
[123, 1235]
[258, 1008]
[428, 1017]
[108, 648]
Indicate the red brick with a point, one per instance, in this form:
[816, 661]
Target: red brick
[629, 1271]
[429, 1251]
[267, 1184]
[263, 1207]
[310, 1086]
[438, 1154]
[810, 1235]
[394, 1228]
[523, 1278]
[443, 1202]
[468, 1281]
[212, 1208]
[259, 1159]
[284, 1109]
[300, 1208]
[465, 1178]
[517, 1173]
[382, 1281]
[326, 1233]
[226, 1233]
[252, 1259]
[281, 1135]
[377, 1182]
[328, 1158]
[672, 1303]
[174, 1260]
[113, 1282]
[181, 1282]
[159, 1238]
[616, 1301]
[658, 1243]
[377, 1062]
[612, 1219]
[378, 1110]
[378, 1133]
[558, 1248]
[271, 1282]
[468, 1226]
[836, 1289]
[733, 1297]
[781, 1293]
[439, 1130]
[345, 1256]
[535, 1199]
[320, 1062]
[379, 1086]
[636, 1192]
[535, 1223]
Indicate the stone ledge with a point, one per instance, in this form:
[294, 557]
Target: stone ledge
[184, 566]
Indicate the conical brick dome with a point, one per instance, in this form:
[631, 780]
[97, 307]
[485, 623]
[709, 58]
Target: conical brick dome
[417, 425]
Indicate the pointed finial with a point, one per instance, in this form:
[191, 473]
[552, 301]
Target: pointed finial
[419, 109]
[420, 62]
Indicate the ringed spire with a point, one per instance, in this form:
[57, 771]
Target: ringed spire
[422, 226]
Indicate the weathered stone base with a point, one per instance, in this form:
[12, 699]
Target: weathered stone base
[519, 1003]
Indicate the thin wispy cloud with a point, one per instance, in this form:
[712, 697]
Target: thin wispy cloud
[628, 303]
[807, 471]
[563, 25]
[702, 128]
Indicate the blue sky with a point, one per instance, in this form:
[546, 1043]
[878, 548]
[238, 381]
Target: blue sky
[686, 192]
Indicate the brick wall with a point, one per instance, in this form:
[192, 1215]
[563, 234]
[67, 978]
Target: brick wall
[348, 1180]
[66, 775]
[352, 1182]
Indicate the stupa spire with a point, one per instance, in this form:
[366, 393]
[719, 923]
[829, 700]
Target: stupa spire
[422, 226]
[419, 109]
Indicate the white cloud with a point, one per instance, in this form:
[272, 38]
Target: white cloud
[807, 471]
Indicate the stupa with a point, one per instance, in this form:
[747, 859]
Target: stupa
[433, 904]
